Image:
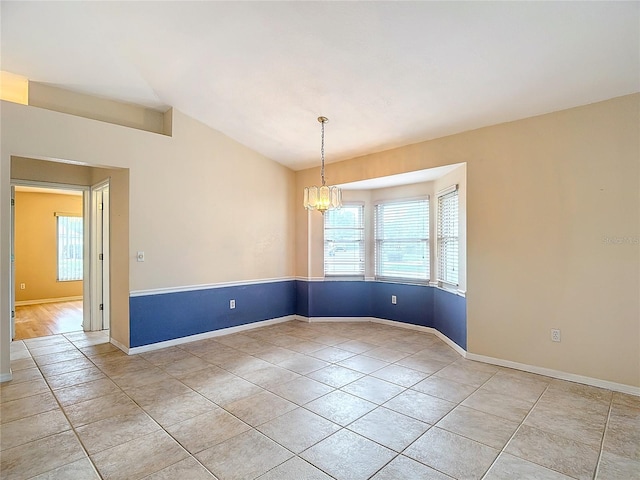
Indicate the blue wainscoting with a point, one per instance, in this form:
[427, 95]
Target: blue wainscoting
[166, 316]
[160, 317]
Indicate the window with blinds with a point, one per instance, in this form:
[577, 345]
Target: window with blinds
[447, 246]
[70, 247]
[402, 240]
[344, 241]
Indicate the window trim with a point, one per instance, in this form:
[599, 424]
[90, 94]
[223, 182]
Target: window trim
[58, 216]
[363, 243]
[453, 190]
[427, 241]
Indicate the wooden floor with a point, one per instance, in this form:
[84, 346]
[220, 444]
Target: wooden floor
[48, 319]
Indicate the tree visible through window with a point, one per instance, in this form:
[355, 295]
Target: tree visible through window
[344, 241]
[70, 248]
[402, 240]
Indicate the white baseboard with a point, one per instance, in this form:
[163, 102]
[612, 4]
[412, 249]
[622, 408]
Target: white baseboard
[333, 319]
[548, 372]
[47, 300]
[119, 345]
[5, 377]
[203, 336]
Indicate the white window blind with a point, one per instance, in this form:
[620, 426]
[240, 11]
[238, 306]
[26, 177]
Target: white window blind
[448, 236]
[344, 241]
[70, 247]
[402, 240]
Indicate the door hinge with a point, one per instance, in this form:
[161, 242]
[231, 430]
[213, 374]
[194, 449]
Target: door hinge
[101, 306]
[101, 206]
[13, 314]
[13, 202]
[100, 256]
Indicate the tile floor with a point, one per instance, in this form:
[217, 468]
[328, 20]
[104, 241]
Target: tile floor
[302, 401]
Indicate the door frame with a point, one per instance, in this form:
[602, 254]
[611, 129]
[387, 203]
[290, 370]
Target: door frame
[87, 298]
[100, 277]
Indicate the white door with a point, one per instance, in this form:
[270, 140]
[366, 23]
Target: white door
[100, 314]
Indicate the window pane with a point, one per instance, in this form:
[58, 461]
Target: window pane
[344, 241]
[448, 238]
[402, 240]
[70, 248]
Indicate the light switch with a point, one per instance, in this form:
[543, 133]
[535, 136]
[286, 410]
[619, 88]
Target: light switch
[140, 256]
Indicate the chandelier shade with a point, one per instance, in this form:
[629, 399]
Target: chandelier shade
[324, 197]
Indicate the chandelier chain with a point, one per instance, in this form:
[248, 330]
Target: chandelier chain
[322, 154]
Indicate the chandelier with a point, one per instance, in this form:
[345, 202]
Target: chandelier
[325, 197]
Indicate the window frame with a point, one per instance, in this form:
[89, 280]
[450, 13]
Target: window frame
[420, 242]
[360, 243]
[74, 275]
[445, 238]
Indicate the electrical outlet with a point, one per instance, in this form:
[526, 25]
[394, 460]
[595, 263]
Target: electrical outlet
[394, 300]
[232, 304]
[555, 334]
[22, 286]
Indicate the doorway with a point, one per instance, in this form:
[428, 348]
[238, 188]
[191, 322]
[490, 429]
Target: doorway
[58, 283]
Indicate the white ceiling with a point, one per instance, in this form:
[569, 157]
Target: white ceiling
[385, 73]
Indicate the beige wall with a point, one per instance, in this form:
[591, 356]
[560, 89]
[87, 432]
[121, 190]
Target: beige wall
[196, 200]
[543, 196]
[36, 245]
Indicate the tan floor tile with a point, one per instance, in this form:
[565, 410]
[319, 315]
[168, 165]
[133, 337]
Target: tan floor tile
[387, 354]
[298, 429]
[363, 364]
[518, 384]
[357, 346]
[260, 408]
[70, 354]
[452, 454]
[463, 374]
[508, 467]
[81, 469]
[140, 457]
[295, 469]
[504, 406]
[208, 377]
[335, 376]
[557, 453]
[34, 458]
[165, 356]
[270, 376]
[9, 391]
[76, 377]
[389, 428]
[404, 467]
[139, 378]
[187, 469]
[229, 390]
[99, 349]
[25, 375]
[86, 391]
[162, 390]
[420, 406]
[274, 354]
[479, 426]
[348, 455]
[332, 354]
[49, 349]
[27, 406]
[28, 429]
[100, 408]
[444, 389]
[178, 409]
[373, 389]
[616, 467]
[340, 407]
[301, 390]
[185, 365]
[306, 347]
[303, 364]
[572, 423]
[245, 456]
[245, 363]
[403, 376]
[110, 432]
[206, 430]
[425, 365]
[622, 436]
[626, 400]
[65, 367]
[18, 364]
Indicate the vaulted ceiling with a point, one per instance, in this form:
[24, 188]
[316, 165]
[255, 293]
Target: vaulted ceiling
[385, 73]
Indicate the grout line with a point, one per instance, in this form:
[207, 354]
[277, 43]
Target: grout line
[604, 434]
